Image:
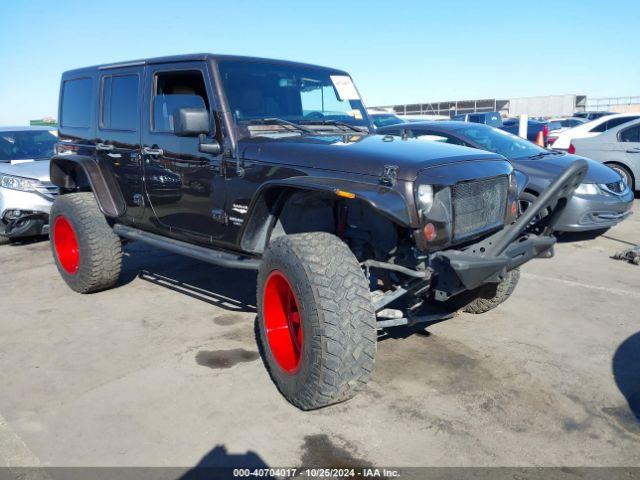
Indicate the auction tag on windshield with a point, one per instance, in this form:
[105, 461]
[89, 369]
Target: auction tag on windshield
[345, 87]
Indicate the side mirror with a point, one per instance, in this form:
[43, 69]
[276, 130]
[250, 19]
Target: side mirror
[191, 122]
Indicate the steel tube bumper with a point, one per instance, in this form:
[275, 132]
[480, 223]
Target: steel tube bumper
[490, 259]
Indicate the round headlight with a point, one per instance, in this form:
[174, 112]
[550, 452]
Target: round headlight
[425, 197]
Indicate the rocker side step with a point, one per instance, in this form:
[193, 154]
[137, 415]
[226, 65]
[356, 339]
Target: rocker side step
[209, 255]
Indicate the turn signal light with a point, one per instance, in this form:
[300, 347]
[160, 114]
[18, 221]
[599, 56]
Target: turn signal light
[429, 232]
[572, 149]
[343, 194]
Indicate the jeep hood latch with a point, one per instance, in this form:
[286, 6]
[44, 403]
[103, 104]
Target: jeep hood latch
[389, 175]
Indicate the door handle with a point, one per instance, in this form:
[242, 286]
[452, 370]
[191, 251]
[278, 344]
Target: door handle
[104, 147]
[154, 152]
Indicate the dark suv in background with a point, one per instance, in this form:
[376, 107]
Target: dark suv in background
[272, 166]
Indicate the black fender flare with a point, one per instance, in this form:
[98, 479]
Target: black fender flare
[386, 201]
[69, 172]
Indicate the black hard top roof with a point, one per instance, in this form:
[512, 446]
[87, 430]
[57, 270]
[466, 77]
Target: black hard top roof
[195, 57]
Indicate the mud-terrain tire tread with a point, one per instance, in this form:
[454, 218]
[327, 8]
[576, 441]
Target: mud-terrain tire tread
[488, 296]
[100, 247]
[331, 286]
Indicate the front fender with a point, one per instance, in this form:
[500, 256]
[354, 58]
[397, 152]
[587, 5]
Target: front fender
[71, 172]
[384, 200]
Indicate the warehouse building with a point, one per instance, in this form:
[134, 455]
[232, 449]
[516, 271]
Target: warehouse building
[541, 106]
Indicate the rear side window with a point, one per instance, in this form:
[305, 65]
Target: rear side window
[609, 124]
[630, 134]
[119, 102]
[619, 121]
[76, 103]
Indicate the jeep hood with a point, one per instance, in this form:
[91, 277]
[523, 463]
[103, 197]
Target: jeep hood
[38, 170]
[358, 154]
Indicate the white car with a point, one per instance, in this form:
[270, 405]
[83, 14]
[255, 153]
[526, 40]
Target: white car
[26, 193]
[591, 129]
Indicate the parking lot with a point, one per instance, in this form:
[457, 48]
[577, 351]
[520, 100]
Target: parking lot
[164, 370]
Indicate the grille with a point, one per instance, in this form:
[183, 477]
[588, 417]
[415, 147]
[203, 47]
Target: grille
[478, 206]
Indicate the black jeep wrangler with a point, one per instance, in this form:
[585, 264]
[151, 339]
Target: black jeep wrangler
[272, 166]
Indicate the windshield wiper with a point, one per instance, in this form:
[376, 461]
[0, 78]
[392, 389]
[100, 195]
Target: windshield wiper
[280, 121]
[333, 123]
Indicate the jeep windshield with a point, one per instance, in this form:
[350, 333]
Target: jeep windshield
[26, 145]
[280, 99]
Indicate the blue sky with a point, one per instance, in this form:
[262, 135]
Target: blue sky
[397, 52]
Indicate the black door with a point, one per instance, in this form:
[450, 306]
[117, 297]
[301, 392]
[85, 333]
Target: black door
[118, 132]
[183, 185]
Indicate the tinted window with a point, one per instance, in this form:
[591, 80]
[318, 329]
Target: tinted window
[27, 144]
[164, 107]
[120, 102]
[174, 90]
[499, 141]
[382, 120]
[435, 136]
[599, 128]
[555, 125]
[630, 134]
[76, 103]
[609, 124]
[619, 121]
[310, 95]
[493, 119]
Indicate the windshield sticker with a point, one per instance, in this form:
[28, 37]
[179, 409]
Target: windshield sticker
[345, 87]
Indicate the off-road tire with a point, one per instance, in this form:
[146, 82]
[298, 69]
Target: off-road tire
[4, 240]
[100, 250]
[486, 297]
[337, 317]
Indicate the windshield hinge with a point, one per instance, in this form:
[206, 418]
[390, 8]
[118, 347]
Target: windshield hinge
[389, 175]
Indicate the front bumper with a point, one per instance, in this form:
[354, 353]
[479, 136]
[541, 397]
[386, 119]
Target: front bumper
[595, 212]
[34, 213]
[459, 271]
[488, 260]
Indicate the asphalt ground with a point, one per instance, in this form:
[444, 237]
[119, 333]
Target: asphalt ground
[164, 371]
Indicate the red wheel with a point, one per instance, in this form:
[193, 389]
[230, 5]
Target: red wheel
[283, 325]
[66, 245]
[316, 322]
